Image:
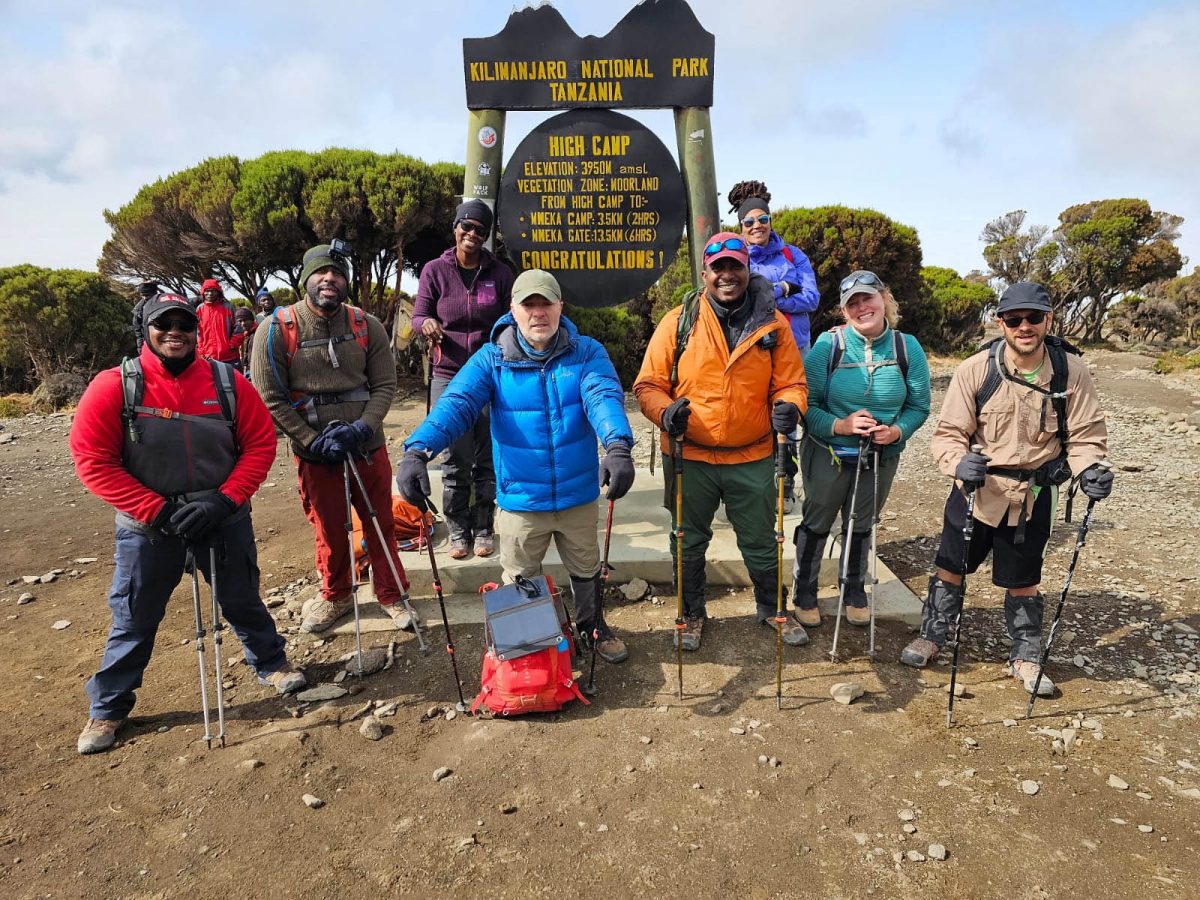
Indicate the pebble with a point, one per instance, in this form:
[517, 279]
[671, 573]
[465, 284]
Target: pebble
[737, 729]
[451, 715]
[441, 773]
[1010, 723]
[645, 739]
[61, 624]
[846, 692]
[602, 828]
[31, 579]
[467, 842]
[1030, 787]
[960, 689]
[971, 742]
[937, 851]
[635, 590]
[906, 815]
[322, 692]
[508, 808]
[250, 764]
[1146, 829]
[371, 729]
[909, 828]
[312, 802]
[915, 856]
[84, 560]
[25, 598]
[47, 578]
[1119, 783]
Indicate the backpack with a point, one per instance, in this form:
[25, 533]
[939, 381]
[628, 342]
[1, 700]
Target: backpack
[1057, 349]
[283, 319]
[133, 387]
[403, 333]
[838, 350]
[413, 530]
[527, 665]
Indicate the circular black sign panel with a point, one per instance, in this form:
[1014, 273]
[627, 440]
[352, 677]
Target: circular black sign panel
[596, 198]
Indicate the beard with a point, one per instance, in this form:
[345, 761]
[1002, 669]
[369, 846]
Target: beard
[326, 303]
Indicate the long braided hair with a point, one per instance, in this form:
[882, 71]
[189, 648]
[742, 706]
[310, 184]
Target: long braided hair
[743, 190]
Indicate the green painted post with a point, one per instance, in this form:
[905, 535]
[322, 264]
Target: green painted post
[693, 132]
[485, 152]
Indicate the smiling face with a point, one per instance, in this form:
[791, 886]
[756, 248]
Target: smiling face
[537, 319]
[173, 335]
[725, 280]
[1025, 340]
[326, 289]
[757, 233]
[865, 313]
[469, 237]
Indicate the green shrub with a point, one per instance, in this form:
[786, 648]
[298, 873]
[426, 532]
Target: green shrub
[1176, 361]
[622, 334]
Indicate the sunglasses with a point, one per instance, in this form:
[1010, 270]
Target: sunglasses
[1033, 318]
[474, 228]
[187, 326]
[761, 220]
[868, 278]
[730, 244]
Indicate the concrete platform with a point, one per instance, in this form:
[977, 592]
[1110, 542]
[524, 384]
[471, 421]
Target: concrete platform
[639, 549]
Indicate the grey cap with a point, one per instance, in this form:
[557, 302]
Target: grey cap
[536, 282]
[1024, 295]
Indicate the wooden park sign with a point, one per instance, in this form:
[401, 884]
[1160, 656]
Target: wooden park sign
[591, 195]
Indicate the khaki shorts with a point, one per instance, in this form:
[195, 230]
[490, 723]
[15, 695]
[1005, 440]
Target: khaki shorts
[525, 537]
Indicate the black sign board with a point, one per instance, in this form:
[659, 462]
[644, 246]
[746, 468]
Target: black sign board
[594, 197]
[657, 56]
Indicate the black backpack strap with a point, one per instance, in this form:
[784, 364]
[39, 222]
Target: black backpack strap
[900, 349]
[688, 313]
[226, 391]
[132, 388]
[837, 350]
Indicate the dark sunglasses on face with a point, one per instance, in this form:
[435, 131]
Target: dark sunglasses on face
[730, 244]
[867, 278]
[761, 220]
[186, 326]
[474, 228]
[1033, 318]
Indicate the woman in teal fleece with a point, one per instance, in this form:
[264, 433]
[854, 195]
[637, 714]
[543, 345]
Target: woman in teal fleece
[872, 402]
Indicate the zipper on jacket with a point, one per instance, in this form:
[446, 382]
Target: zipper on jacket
[549, 438]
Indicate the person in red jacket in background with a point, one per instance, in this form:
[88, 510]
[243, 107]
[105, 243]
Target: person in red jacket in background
[180, 476]
[220, 337]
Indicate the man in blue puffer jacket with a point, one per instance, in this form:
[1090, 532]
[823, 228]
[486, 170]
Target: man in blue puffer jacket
[553, 393]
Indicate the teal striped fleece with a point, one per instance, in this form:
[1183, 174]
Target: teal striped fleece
[890, 400]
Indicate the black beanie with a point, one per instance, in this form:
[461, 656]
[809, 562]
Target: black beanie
[752, 203]
[476, 211]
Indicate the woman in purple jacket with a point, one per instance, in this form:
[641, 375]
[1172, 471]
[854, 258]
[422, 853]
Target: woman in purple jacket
[462, 294]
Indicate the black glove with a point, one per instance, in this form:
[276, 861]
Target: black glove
[362, 432]
[675, 417]
[194, 520]
[785, 416]
[616, 471]
[162, 522]
[412, 478]
[972, 470]
[1096, 482]
[335, 443]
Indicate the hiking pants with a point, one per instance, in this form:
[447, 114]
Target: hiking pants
[467, 468]
[827, 489]
[323, 495]
[147, 571]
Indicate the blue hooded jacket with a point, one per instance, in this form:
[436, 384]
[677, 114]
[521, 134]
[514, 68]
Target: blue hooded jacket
[546, 417]
[772, 263]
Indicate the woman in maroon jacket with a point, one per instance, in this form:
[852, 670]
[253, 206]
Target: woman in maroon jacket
[462, 294]
[180, 475]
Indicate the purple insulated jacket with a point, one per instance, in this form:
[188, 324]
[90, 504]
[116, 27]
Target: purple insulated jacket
[466, 318]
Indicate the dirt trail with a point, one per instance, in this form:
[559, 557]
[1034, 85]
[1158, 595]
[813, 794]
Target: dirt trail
[638, 793]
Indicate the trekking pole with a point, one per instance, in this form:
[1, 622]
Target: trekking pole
[653, 447]
[353, 568]
[847, 540]
[780, 473]
[874, 550]
[1080, 540]
[191, 562]
[968, 531]
[437, 589]
[604, 570]
[217, 628]
[680, 625]
[389, 551]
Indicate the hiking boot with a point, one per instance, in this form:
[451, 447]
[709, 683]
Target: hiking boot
[285, 679]
[920, 653]
[98, 735]
[809, 618]
[858, 615]
[325, 615]
[399, 614]
[609, 647]
[693, 629]
[485, 543]
[1026, 673]
[794, 634]
[460, 546]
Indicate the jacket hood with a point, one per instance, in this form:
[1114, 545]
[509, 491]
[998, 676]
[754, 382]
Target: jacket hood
[212, 285]
[508, 341]
[773, 245]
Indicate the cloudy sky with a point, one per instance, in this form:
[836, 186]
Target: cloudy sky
[940, 114]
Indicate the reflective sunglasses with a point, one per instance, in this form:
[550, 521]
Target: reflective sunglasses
[474, 228]
[729, 244]
[868, 278]
[186, 326]
[761, 220]
[1014, 321]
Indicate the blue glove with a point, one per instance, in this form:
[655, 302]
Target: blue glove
[334, 444]
[1096, 483]
[362, 432]
[412, 478]
[194, 520]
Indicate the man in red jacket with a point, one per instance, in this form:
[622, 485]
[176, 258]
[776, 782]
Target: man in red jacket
[220, 336]
[180, 475]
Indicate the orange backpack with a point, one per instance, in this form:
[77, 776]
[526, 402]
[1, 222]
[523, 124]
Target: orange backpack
[413, 530]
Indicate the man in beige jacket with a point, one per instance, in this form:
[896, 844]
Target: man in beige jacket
[1006, 400]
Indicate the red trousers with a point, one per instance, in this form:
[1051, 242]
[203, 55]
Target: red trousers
[323, 494]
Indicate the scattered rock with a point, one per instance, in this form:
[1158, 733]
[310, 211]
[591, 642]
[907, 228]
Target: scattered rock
[322, 692]
[972, 743]
[508, 808]
[846, 692]
[47, 578]
[937, 851]
[451, 715]
[1030, 787]
[915, 856]
[909, 828]
[906, 815]
[1146, 829]
[645, 739]
[442, 773]
[250, 764]
[1010, 723]
[602, 828]
[635, 590]
[466, 842]
[737, 729]
[25, 598]
[312, 802]
[371, 729]
[960, 689]
[31, 579]
[373, 660]
[84, 560]
[61, 624]
[1119, 783]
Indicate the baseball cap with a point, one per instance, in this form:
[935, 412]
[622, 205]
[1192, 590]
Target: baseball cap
[1024, 295]
[726, 245]
[859, 281]
[165, 303]
[536, 281]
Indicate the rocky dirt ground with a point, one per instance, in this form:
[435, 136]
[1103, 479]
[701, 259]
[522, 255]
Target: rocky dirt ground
[640, 793]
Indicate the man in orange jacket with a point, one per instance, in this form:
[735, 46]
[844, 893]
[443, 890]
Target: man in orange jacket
[737, 382]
